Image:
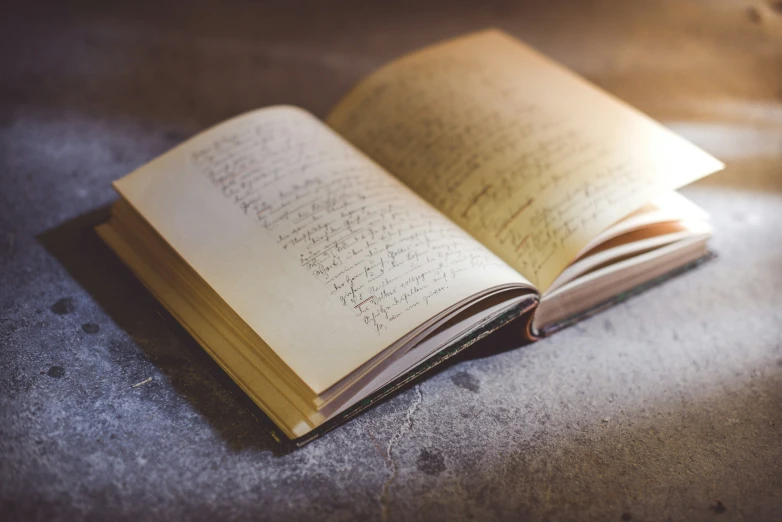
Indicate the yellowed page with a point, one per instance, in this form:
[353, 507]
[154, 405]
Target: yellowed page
[326, 256]
[526, 156]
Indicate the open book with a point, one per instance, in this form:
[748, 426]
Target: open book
[323, 265]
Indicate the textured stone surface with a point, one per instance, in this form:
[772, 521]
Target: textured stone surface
[668, 407]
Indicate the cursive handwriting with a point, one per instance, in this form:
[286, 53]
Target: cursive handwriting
[379, 250]
[529, 160]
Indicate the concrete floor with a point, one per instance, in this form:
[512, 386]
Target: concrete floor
[668, 407]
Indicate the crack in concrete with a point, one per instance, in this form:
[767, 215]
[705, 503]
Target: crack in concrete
[406, 426]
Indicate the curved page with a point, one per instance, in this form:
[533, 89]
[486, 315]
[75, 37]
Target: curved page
[322, 253]
[527, 157]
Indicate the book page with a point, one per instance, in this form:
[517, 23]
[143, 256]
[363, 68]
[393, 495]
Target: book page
[530, 159]
[326, 256]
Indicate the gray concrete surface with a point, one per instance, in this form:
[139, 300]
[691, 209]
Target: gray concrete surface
[668, 407]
